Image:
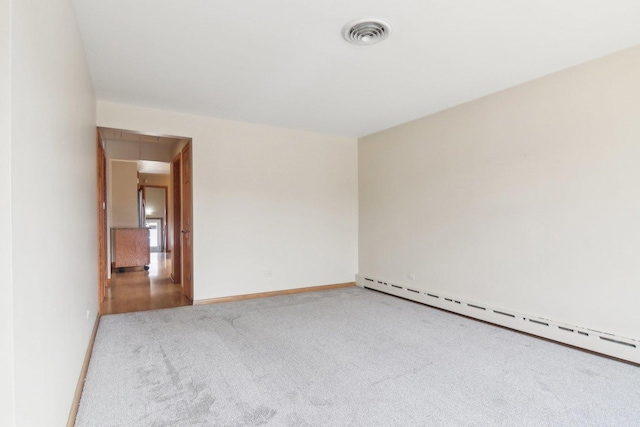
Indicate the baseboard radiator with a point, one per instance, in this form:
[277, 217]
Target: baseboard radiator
[589, 339]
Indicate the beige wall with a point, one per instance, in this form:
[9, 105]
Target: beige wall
[123, 194]
[53, 209]
[6, 284]
[526, 199]
[266, 200]
[155, 179]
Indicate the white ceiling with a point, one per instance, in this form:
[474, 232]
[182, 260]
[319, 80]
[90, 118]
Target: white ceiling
[284, 63]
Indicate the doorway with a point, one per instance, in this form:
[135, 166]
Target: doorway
[156, 212]
[136, 289]
[155, 226]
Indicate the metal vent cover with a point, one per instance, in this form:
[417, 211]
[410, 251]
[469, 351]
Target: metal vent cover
[366, 31]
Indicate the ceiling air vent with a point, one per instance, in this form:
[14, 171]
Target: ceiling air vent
[366, 31]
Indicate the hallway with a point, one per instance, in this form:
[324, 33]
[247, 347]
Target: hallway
[141, 290]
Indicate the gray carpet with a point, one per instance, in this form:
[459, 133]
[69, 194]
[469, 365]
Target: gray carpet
[339, 358]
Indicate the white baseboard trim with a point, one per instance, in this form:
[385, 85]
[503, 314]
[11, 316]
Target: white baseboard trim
[577, 336]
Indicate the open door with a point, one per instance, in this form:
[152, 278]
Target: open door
[101, 173]
[187, 223]
[176, 249]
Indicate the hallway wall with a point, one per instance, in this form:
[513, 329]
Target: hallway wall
[155, 179]
[6, 284]
[53, 182]
[122, 194]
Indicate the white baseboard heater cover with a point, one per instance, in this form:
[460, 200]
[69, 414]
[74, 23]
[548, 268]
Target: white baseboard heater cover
[600, 342]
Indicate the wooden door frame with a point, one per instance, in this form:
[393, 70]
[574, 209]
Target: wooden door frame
[101, 215]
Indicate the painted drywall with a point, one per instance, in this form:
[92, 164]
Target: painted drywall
[53, 209]
[273, 208]
[123, 194]
[526, 199]
[155, 179]
[6, 284]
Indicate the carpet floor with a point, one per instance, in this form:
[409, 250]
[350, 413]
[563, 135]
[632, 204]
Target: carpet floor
[345, 357]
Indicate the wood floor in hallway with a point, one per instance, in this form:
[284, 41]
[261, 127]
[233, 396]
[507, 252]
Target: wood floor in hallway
[139, 290]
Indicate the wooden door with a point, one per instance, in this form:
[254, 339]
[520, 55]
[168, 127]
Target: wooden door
[176, 225]
[187, 223]
[101, 173]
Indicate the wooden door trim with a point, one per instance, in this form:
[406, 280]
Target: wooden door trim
[75, 404]
[273, 293]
